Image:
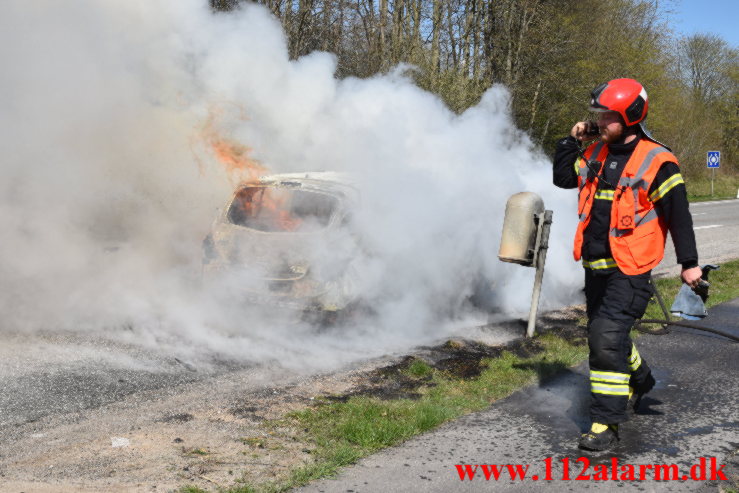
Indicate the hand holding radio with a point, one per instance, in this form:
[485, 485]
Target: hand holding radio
[587, 130]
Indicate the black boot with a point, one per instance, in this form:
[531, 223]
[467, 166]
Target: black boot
[600, 437]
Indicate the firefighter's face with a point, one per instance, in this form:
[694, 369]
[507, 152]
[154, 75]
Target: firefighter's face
[611, 126]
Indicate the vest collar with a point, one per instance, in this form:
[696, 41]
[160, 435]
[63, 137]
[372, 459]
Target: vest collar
[621, 148]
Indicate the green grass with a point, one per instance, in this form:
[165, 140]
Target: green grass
[191, 489]
[197, 451]
[419, 368]
[725, 186]
[343, 432]
[724, 287]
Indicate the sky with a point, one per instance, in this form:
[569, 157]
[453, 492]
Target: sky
[713, 16]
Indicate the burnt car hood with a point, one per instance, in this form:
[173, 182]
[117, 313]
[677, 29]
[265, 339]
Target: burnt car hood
[267, 255]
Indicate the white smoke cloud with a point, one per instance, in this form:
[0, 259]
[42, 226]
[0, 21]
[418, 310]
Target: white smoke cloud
[107, 192]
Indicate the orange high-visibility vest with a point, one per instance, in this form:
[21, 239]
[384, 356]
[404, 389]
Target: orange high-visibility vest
[637, 234]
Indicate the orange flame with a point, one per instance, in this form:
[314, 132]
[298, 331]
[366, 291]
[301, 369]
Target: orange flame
[234, 156]
[261, 207]
[265, 209]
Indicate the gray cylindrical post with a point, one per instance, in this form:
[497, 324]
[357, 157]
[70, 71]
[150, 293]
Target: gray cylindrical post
[541, 255]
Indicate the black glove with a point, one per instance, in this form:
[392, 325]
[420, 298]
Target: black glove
[702, 288]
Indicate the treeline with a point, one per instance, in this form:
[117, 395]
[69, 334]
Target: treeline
[549, 53]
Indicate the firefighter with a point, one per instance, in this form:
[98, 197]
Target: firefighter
[630, 194]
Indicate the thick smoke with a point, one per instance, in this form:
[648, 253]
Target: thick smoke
[108, 187]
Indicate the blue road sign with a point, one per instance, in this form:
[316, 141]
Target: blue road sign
[714, 159]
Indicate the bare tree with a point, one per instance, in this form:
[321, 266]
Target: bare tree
[549, 54]
[704, 61]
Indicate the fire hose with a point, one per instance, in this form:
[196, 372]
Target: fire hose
[665, 330]
[702, 291]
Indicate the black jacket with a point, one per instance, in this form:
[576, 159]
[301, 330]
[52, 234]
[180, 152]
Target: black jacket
[672, 206]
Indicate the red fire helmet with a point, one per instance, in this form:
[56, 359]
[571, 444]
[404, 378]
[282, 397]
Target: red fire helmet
[625, 96]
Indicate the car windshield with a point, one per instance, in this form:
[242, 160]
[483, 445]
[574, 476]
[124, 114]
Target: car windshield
[273, 209]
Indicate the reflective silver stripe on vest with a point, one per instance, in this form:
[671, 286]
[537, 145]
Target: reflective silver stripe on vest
[598, 148]
[649, 216]
[635, 183]
[638, 221]
[583, 176]
[648, 160]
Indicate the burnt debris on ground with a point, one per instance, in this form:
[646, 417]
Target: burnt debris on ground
[462, 358]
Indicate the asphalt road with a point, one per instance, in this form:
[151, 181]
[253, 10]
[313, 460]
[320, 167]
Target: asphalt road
[51, 374]
[692, 413]
[716, 226]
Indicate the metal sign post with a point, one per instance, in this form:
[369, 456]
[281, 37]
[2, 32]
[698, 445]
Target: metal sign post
[544, 221]
[713, 161]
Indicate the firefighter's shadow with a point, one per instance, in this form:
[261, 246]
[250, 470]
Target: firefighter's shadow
[561, 398]
[645, 407]
[567, 384]
[546, 371]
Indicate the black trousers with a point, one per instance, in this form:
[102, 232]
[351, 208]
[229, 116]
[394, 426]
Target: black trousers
[614, 301]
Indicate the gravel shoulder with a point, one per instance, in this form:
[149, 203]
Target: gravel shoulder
[166, 424]
[160, 439]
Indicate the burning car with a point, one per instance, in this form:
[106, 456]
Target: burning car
[283, 240]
